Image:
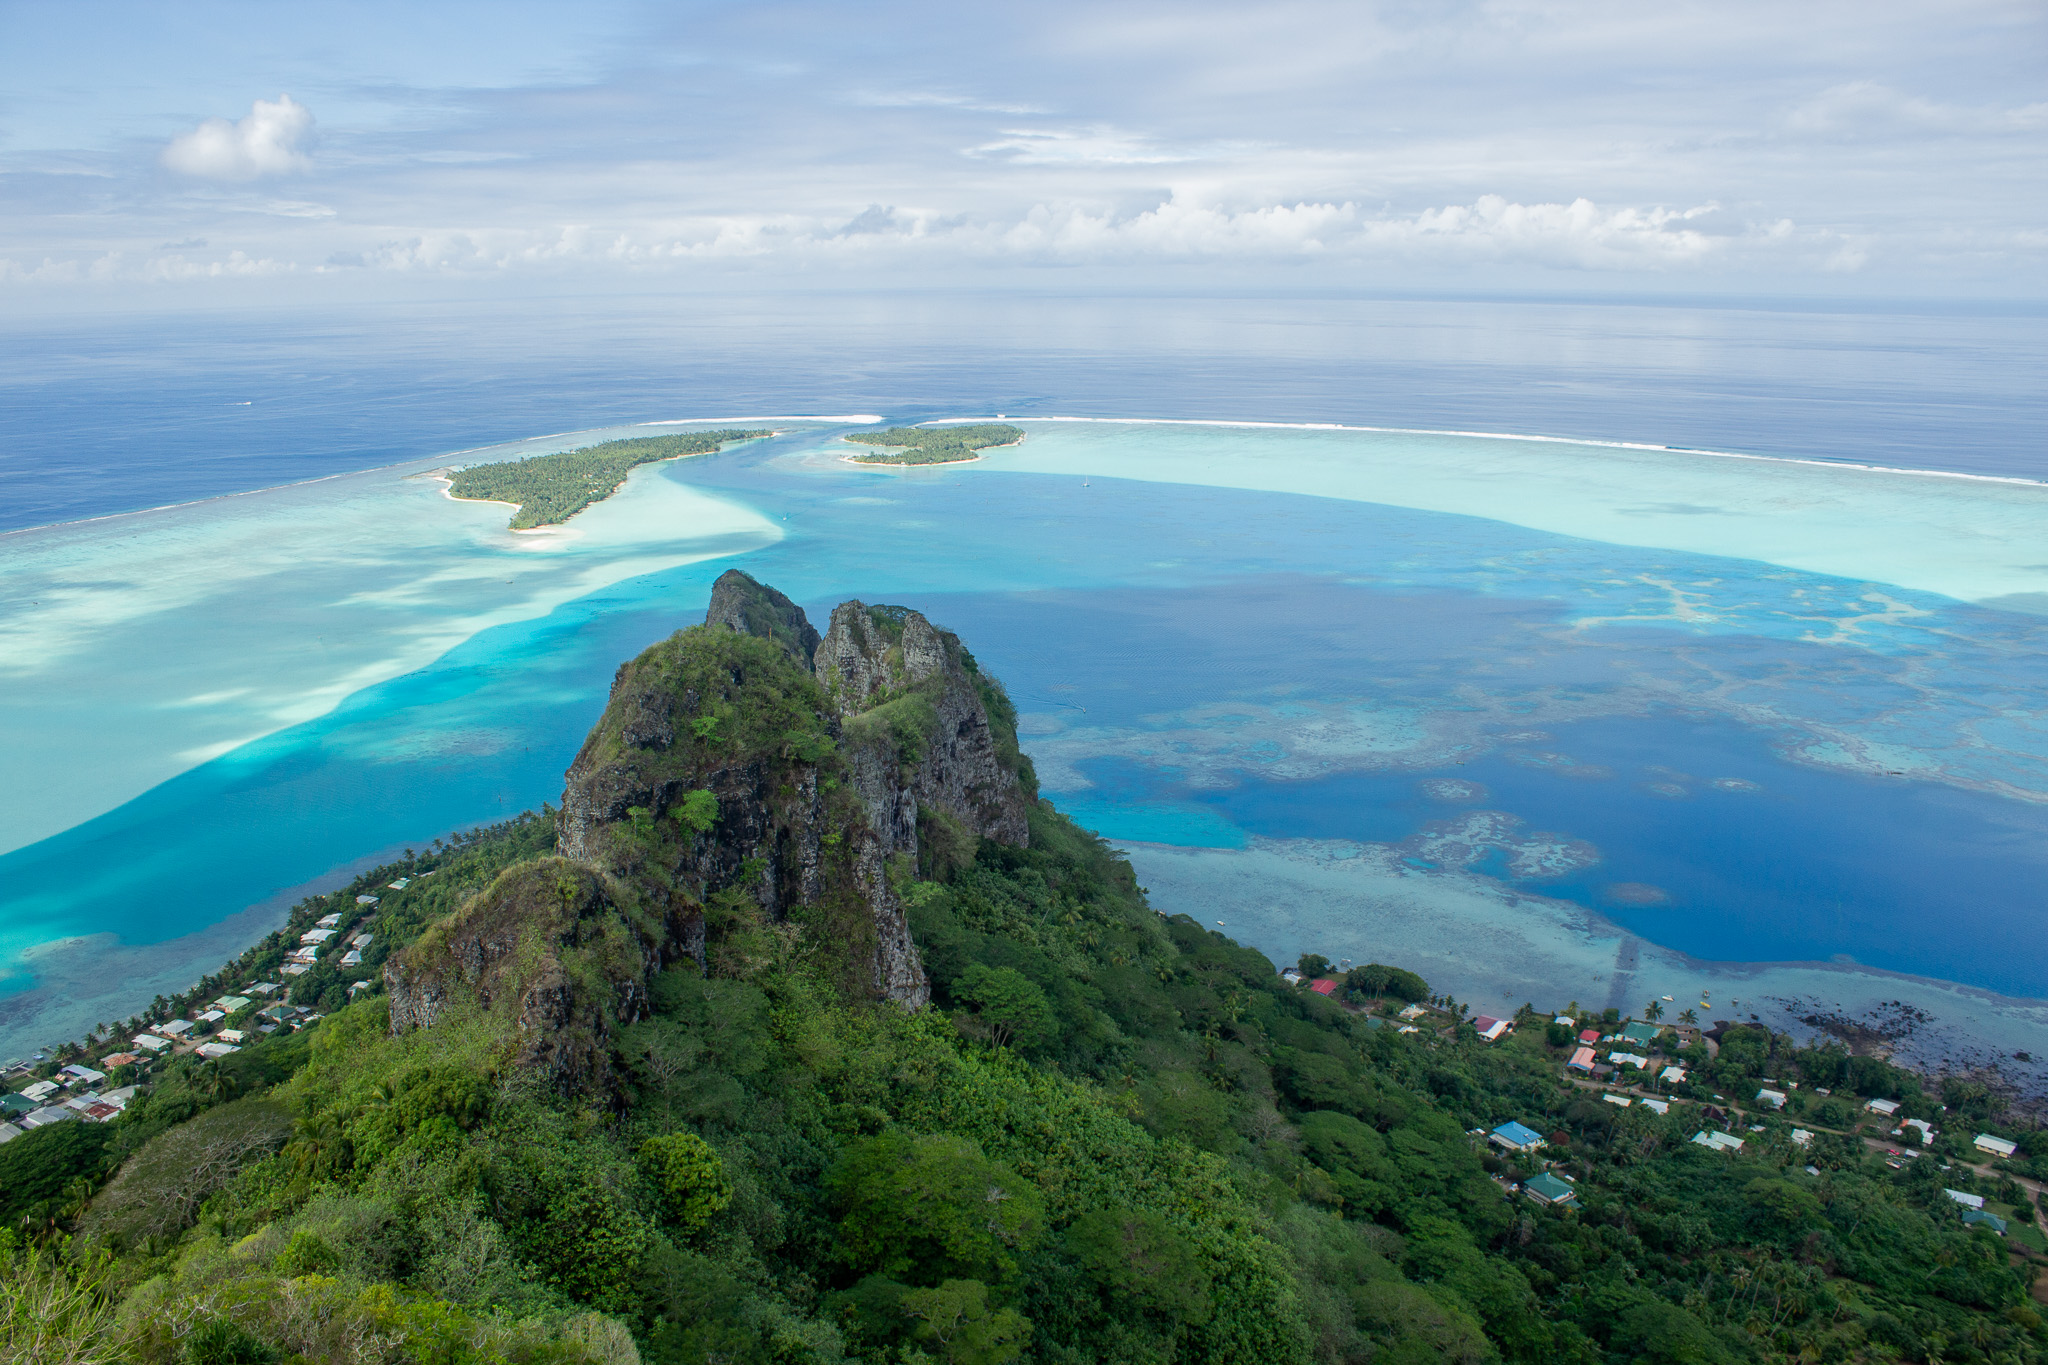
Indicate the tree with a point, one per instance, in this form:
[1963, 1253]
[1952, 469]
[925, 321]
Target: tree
[1313, 964]
[1009, 1003]
[1140, 1259]
[690, 1175]
[929, 1207]
[956, 1318]
[1689, 1016]
[1653, 1011]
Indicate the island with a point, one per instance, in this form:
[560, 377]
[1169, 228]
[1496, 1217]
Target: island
[934, 445]
[807, 1030]
[550, 489]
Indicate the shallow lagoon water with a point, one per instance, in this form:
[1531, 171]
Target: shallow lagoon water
[1220, 673]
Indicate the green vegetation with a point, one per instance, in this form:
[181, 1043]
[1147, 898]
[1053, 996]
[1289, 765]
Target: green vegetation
[935, 445]
[1113, 1136]
[550, 489]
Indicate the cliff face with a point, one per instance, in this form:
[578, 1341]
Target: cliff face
[750, 784]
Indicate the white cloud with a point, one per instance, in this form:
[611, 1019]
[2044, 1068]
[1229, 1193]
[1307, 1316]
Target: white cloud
[1862, 109]
[267, 141]
[1079, 147]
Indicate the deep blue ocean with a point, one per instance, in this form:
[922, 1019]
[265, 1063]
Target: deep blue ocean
[1060, 588]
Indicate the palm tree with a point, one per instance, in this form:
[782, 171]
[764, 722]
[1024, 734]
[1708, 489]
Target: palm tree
[1690, 1016]
[1653, 1011]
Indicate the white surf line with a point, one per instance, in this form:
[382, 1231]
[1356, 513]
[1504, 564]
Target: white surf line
[1514, 436]
[865, 418]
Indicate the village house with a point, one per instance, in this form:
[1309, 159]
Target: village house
[1516, 1137]
[1548, 1189]
[1491, 1029]
[1720, 1142]
[1995, 1146]
[1884, 1107]
[1771, 1099]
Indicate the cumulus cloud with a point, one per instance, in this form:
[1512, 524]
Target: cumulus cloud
[267, 141]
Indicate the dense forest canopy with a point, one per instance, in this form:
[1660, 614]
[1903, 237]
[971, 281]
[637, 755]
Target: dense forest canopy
[1112, 1136]
[935, 445]
[550, 489]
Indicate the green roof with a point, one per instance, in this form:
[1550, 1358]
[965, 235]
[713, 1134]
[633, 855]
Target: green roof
[1641, 1033]
[1549, 1188]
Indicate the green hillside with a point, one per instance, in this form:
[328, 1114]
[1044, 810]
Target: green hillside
[1111, 1136]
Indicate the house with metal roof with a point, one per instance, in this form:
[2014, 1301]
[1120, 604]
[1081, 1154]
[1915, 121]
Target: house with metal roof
[1980, 1218]
[1516, 1137]
[1720, 1142]
[1548, 1189]
[1582, 1060]
[1996, 1146]
[1640, 1035]
[1492, 1029]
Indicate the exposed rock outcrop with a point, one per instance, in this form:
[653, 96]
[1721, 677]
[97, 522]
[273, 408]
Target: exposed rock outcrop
[749, 782]
[740, 603]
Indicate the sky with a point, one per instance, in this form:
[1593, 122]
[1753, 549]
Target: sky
[218, 152]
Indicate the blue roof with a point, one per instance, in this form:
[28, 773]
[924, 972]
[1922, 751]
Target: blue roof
[1517, 1134]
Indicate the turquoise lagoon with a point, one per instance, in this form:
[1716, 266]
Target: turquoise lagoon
[1544, 719]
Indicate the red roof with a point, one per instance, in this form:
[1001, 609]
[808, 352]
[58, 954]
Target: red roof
[1591, 1035]
[1324, 986]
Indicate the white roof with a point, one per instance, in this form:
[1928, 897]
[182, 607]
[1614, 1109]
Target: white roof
[1773, 1098]
[364, 900]
[55, 1113]
[1495, 1029]
[1973, 1201]
[1627, 1059]
[211, 1017]
[121, 1096]
[217, 1049]
[174, 1028]
[1996, 1144]
[1657, 1106]
[40, 1089]
[8, 1133]
[318, 935]
[1622, 1100]
[1883, 1106]
[152, 1042]
[1726, 1142]
[1564, 1019]
[297, 968]
[327, 921]
[231, 1003]
[1800, 1137]
[1672, 1073]
[85, 1073]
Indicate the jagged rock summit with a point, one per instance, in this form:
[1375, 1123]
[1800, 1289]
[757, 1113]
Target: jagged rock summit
[752, 790]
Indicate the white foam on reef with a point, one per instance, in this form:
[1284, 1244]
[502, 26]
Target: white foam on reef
[1496, 949]
[133, 648]
[1967, 537]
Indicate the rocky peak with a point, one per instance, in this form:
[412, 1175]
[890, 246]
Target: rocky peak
[739, 791]
[742, 604]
